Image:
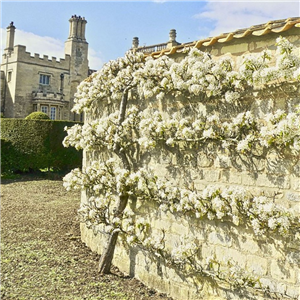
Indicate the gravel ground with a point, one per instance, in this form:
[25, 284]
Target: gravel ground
[42, 255]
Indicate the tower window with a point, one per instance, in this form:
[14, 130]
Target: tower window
[44, 79]
[9, 76]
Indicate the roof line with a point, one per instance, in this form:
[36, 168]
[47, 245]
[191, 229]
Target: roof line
[276, 26]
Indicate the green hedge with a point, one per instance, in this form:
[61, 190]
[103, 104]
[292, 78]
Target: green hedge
[8, 157]
[36, 144]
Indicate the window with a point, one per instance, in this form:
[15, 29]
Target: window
[44, 79]
[9, 76]
[44, 109]
[53, 113]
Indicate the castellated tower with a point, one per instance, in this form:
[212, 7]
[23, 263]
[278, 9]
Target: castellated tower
[77, 47]
[40, 83]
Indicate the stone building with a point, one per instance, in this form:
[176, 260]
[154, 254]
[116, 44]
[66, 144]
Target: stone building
[33, 83]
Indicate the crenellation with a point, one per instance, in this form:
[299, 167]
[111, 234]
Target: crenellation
[20, 55]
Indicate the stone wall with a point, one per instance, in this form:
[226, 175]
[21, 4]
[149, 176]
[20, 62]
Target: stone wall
[273, 259]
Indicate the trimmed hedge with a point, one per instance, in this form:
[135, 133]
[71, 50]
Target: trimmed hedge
[37, 115]
[8, 156]
[36, 144]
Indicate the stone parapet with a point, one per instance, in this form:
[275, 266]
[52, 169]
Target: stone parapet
[19, 54]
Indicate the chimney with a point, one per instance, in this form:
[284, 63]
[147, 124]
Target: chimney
[10, 38]
[77, 28]
[135, 43]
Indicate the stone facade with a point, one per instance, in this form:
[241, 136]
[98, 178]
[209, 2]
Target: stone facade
[273, 259]
[34, 83]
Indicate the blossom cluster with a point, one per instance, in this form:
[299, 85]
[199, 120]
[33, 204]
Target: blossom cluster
[109, 82]
[199, 74]
[196, 74]
[233, 204]
[146, 128]
[281, 130]
[243, 133]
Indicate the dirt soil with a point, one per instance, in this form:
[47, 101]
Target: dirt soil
[42, 255]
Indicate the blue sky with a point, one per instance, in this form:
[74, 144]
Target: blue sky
[43, 27]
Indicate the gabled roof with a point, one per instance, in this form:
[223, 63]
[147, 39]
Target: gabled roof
[276, 26]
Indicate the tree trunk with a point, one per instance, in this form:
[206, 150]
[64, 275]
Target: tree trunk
[108, 252]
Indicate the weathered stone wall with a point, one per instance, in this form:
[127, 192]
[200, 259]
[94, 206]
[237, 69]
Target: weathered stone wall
[273, 259]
